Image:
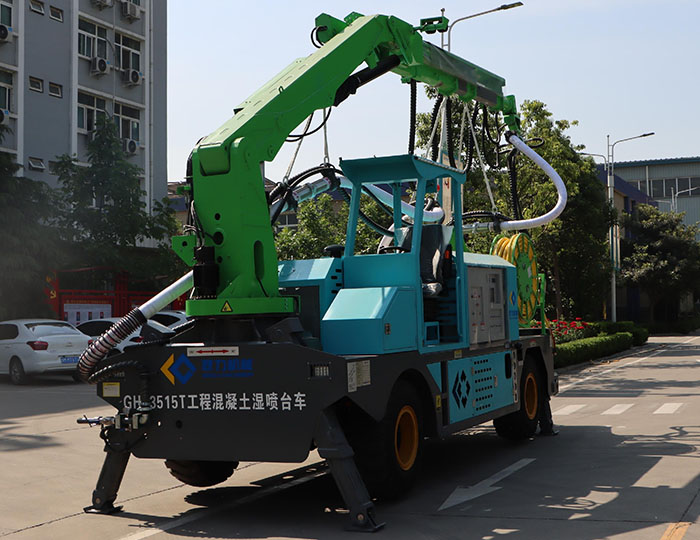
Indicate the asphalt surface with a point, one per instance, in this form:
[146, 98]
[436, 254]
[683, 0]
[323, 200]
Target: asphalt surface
[626, 465]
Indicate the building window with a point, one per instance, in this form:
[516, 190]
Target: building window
[36, 84]
[55, 90]
[136, 2]
[37, 6]
[128, 52]
[36, 164]
[6, 12]
[5, 90]
[92, 40]
[56, 14]
[89, 109]
[670, 187]
[128, 121]
[288, 219]
[657, 188]
[695, 183]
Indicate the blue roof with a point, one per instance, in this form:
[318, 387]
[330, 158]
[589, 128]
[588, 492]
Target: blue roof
[662, 161]
[628, 190]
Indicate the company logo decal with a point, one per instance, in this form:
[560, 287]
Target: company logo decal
[460, 389]
[218, 368]
[512, 298]
[181, 369]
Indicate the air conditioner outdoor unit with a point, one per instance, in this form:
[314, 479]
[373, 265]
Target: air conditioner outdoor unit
[4, 117]
[102, 3]
[131, 11]
[5, 33]
[99, 66]
[130, 146]
[131, 77]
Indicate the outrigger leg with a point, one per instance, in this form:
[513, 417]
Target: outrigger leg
[334, 447]
[111, 475]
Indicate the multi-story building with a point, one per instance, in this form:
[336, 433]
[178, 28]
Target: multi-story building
[63, 63]
[674, 183]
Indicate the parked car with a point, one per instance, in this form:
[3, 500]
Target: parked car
[34, 346]
[170, 318]
[149, 331]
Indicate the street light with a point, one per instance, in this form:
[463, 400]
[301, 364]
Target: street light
[674, 197]
[614, 255]
[499, 8]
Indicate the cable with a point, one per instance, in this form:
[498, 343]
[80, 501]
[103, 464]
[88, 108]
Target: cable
[450, 142]
[371, 224]
[296, 137]
[513, 177]
[412, 127]
[433, 143]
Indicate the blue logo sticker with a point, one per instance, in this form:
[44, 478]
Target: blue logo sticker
[183, 369]
[217, 368]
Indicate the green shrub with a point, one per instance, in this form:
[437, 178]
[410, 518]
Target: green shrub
[586, 349]
[639, 335]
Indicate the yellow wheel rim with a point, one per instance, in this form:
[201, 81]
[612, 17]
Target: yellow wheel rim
[531, 396]
[406, 438]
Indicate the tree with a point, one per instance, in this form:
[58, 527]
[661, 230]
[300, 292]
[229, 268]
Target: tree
[29, 243]
[661, 256]
[571, 251]
[321, 224]
[103, 212]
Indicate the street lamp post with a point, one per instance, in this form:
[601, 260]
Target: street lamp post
[614, 255]
[674, 197]
[499, 8]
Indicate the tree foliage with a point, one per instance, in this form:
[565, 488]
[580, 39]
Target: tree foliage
[323, 222]
[662, 256]
[30, 246]
[102, 208]
[572, 250]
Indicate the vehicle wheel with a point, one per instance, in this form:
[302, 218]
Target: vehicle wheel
[522, 423]
[201, 473]
[17, 374]
[388, 453]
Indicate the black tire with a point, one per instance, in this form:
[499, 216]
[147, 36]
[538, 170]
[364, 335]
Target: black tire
[522, 423]
[388, 453]
[201, 473]
[17, 374]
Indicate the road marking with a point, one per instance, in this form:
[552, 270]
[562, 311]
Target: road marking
[569, 409]
[668, 408]
[676, 531]
[618, 409]
[463, 494]
[566, 387]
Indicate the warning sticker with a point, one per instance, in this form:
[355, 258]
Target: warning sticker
[110, 389]
[358, 375]
[226, 308]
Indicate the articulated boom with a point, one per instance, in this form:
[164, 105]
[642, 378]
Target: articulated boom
[236, 272]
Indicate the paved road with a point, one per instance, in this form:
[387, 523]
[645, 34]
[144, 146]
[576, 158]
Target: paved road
[626, 465]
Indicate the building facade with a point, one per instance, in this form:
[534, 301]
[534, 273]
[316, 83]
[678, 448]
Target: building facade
[63, 63]
[673, 183]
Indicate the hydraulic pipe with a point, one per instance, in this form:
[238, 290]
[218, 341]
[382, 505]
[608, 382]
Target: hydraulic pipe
[120, 330]
[521, 224]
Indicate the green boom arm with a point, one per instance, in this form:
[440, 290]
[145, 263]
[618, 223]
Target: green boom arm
[227, 183]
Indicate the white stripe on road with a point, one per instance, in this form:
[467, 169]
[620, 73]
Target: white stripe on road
[565, 387]
[668, 408]
[569, 409]
[618, 409]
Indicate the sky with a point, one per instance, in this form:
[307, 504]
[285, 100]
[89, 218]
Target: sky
[619, 67]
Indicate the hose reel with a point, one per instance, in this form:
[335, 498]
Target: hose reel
[518, 251]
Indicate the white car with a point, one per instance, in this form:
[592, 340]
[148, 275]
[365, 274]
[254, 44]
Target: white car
[34, 346]
[170, 318]
[151, 330]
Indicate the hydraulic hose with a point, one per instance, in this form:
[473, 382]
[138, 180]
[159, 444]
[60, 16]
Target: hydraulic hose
[435, 143]
[120, 330]
[522, 224]
[412, 127]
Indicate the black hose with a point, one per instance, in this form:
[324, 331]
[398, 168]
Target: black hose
[435, 143]
[513, 177]
[470, 143]
[100, 348]
[412, 128]
[371, 224]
